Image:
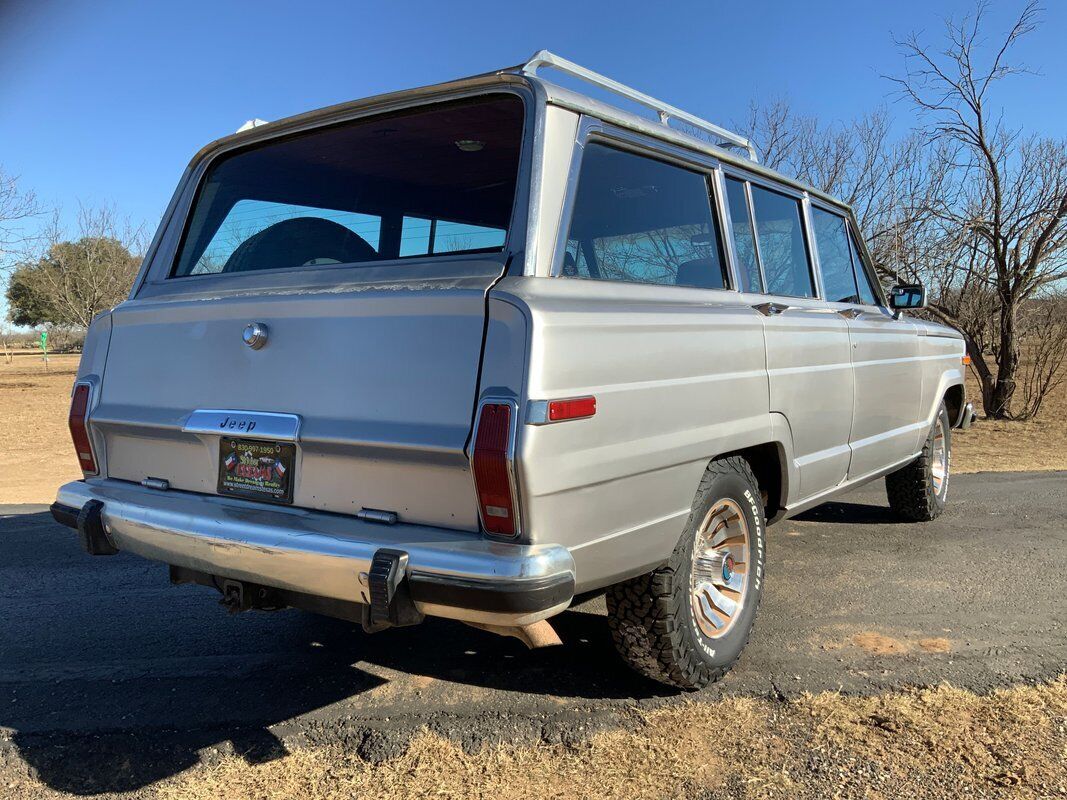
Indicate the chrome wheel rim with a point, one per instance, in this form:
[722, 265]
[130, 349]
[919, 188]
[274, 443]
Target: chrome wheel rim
[719, 574]
[939, 459]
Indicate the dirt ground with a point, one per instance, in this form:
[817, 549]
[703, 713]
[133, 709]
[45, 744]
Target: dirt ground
[941, 742]
[991, 446]
[931, 743]
[36, 456]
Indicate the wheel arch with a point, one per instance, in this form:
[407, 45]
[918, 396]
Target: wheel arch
[954, 400]
[768, 462]
[949, 389]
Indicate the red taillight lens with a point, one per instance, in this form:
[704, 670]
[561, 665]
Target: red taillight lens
[492, 476]
[79, 432]
[575, 408]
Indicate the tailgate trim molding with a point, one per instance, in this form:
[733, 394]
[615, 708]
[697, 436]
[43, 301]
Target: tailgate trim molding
[246, 424]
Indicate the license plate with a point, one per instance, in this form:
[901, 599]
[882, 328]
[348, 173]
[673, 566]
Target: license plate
[257, 470]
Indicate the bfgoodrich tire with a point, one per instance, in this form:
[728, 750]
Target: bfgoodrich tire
[686, 623]
[918, 491]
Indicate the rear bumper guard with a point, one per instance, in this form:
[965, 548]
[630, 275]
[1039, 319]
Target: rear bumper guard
[398, 573]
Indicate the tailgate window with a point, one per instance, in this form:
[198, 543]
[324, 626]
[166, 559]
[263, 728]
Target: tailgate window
[233, 248]
[422, 237]
[439, 180]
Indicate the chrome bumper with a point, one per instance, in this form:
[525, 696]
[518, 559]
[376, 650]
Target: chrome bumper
[452, 574]
[967, 416]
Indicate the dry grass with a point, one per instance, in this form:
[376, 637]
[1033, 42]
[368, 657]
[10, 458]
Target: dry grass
[989, 446]
[932, 743]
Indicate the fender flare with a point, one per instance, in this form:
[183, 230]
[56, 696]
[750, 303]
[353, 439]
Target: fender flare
[948, 378]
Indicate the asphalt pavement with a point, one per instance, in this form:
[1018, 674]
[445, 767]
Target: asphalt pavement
[111, 678]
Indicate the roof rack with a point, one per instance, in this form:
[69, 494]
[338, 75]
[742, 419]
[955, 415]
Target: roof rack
[666, 112]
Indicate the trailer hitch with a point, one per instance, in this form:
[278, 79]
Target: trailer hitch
[238, 596]
[233, 597]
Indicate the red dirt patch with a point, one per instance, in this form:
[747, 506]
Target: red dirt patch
[936, 644]
[879, 644]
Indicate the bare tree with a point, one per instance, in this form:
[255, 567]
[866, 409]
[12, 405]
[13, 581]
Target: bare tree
[1009, 213]
[1043, 331]
[16, 208]
[4, 337]
[853, 161]
[976, 211]
[889, 184]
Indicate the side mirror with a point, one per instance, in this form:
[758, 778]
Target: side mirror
[907, 296]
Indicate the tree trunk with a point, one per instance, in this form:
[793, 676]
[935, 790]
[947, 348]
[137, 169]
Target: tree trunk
[981, 368]
[1007, 365]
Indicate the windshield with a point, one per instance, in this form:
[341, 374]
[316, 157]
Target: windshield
[439, 180]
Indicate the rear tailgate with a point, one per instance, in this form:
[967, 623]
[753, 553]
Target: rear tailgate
[383, 380]
[365, 248]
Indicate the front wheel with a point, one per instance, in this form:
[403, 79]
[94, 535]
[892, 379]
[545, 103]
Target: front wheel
[917, 491]
[686, 623]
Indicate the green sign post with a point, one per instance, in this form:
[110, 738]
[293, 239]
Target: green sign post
[44, 347]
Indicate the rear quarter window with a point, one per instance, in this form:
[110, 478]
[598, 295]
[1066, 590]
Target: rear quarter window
[640, 220]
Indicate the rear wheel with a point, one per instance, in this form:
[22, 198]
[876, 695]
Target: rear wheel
[918, 491]
[686, 623]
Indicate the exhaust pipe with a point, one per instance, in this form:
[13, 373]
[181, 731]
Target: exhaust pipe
[535, 635]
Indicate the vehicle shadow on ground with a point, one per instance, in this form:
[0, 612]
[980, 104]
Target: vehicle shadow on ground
[130, 682]
[851, 514]
[119, 720]
[166, 724]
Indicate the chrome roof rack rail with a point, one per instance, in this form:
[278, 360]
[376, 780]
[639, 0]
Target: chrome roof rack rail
[666, 112]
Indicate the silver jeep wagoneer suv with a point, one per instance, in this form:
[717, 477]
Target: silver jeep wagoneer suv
[475, 350]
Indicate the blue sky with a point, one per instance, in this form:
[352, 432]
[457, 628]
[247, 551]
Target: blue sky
[105, 102]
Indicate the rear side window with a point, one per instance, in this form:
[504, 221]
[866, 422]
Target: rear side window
[835, 257]
[643, 221]
[436, 180]
[782, 251]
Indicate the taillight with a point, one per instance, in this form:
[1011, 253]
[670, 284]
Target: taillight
[491, 463]
[79, 430]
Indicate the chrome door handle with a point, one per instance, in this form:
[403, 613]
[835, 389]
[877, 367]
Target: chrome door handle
[849, 313]
[771, 309]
